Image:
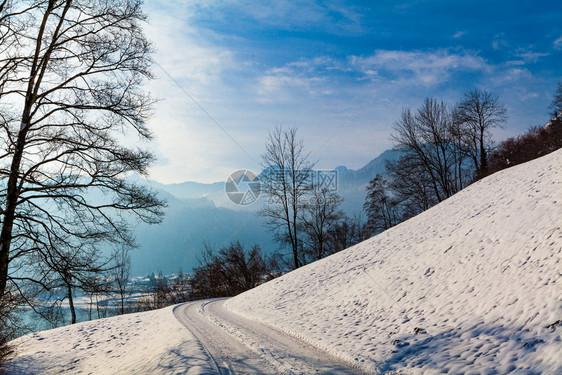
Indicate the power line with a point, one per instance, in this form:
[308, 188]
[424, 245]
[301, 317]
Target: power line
[341, 127]
[205, 111]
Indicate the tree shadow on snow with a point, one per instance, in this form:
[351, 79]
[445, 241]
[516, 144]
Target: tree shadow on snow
[482, 348]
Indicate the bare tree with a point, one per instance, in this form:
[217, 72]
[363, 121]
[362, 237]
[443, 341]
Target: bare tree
[181, 287]
[72, 269]
[381, 207]
[556, 104]
[425, 138]
[229, 271]
[12, 23]
[319, 217]
[242, 269]
[72, 70]
[411, 184]
[554, 126]
[98, 290]
[436, 150]
[479, 112]
[120, 275]
[286, 181]
[11, 325]
[536, 142]
[58, 274]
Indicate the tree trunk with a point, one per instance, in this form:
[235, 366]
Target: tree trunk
[295, 236]
[90, 307]
[98, 307]
[483, 156]
[71, 303]
[12, 188]
[9, 212]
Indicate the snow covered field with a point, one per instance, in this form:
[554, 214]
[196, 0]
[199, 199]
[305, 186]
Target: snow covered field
[470, 286]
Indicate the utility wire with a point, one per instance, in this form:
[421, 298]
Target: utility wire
[341, 127]
[205, 111]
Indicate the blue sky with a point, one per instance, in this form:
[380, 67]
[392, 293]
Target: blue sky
[339, 71]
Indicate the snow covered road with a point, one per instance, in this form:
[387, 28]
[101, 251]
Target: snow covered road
[242, 346]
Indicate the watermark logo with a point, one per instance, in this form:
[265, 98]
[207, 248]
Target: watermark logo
[242, 187]
[308, 180]
[326, 180]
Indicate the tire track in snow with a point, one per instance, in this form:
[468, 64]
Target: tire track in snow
[240, 345]
[229, 355]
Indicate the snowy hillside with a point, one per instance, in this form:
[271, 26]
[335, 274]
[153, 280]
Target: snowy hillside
[473, 284]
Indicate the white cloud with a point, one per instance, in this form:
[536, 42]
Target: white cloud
[182, 53]
[511, 76]
[307, 76]
[276, 81]
[181, 129]
[530, 56]
[498, 42]
[418, 67]
[526, 57]
[531, 95]
[312, 77]
[458, 34]
[558, 43]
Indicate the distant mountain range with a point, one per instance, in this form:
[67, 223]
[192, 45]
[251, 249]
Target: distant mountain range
[200, 214]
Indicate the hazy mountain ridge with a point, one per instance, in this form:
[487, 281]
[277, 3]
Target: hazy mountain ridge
[200, 213]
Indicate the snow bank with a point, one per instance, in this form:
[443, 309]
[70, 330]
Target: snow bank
[473, 284]
[151, 342]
